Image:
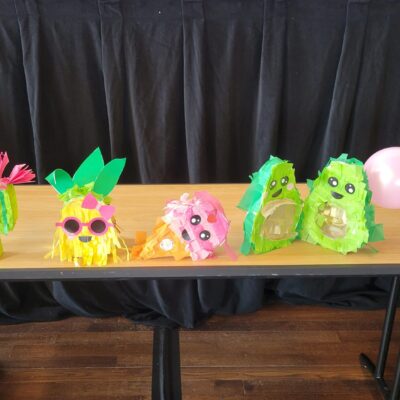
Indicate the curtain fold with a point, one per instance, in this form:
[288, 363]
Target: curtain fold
[15, 122]
[347, 80]
[198, 91]
[271, 79]
[61, 55]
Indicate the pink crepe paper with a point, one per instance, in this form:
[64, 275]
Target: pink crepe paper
[21, 173]
[178, 214]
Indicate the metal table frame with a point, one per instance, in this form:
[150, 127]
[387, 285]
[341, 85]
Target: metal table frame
[378, 370]
[166, 380]
[166, 374]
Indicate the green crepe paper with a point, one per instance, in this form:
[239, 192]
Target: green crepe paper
[92, 176]
[82, 191]
[256, 198]
[360, 213]
[8, 209]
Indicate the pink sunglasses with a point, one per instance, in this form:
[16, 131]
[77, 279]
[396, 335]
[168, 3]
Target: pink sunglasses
[73, 226]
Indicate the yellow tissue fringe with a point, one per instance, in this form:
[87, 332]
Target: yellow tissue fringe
[95, 252]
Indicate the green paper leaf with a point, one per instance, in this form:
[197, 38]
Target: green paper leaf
[109, 176]
[90, 168]
[60, 180]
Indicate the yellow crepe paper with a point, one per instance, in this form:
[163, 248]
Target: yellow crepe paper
[95, 252]
[86, 196]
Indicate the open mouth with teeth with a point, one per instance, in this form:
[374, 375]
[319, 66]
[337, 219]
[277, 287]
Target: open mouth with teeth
[334, 220]
[279, 219]
[85, 239]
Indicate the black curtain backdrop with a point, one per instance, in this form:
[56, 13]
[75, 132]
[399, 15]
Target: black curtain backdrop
[195, 91]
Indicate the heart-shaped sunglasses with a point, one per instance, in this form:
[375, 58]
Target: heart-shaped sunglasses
[73, 226]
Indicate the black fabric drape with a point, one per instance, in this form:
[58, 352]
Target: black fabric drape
[195, 91]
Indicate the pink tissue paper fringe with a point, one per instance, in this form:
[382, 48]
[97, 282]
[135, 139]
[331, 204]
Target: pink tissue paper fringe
[21, 173]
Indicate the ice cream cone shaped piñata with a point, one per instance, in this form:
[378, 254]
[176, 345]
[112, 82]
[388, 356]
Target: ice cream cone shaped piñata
[161, 243]
[189, 228]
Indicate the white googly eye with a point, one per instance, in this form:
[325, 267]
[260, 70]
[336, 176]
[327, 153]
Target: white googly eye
[195, 220]
[333, 181]
[350, 188]
[205, 235]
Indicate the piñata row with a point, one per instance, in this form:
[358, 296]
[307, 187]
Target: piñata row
[337, 213]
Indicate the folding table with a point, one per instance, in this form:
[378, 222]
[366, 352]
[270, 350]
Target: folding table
[138, 206]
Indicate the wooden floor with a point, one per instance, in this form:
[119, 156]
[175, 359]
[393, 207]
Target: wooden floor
[282, 352]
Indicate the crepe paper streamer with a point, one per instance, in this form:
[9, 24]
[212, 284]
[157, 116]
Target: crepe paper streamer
[273, 206]
[338, 213]
[8, 200]
[190, 227]
[92, 176]
[85, 198]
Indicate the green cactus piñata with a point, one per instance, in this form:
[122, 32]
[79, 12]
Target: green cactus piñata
[21, 173]
[273, 206]
[338, 213]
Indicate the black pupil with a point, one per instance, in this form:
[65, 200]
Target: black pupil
[284, 180]
[195, 220]
[98, 226]
[333, 181]
[71, 226]
[273, 184]
[205, 235]
[350, 188]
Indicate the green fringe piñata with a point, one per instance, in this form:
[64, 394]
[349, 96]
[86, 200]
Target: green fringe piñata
[273, 206]
[338, 213]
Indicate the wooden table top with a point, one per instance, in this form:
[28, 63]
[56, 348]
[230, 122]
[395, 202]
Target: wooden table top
[138, 207]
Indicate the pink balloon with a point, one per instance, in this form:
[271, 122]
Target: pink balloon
[383, 171]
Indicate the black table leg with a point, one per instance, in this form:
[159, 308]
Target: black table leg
[166, 380]
[395, 395]
[378, 371]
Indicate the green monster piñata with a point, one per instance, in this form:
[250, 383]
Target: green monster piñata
[273, 206]
[338, 213]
